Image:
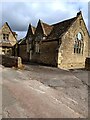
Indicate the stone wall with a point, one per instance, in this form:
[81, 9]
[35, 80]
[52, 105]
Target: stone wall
[48, 53]
[66, 56]
[1, 52]
[10, 61]
[22, 51]
[87, 63]
[35, 57]
[6, 51]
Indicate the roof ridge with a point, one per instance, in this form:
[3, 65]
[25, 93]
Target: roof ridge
[63, 21]
[61, 27]
[46, 23]
[46, 27]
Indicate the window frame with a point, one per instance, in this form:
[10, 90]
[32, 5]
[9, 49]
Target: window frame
[78, 44]
[5, 37]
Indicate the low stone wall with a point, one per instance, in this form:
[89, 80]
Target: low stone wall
[10, 61]
[87, 63]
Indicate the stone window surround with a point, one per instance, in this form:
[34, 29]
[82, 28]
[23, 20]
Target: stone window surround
[78, 44]
[5, 36]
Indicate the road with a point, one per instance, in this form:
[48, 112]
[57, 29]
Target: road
[0, 93]
[44, 92]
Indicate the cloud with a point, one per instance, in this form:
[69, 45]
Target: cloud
[20, 14]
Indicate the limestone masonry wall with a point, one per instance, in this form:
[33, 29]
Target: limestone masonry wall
[10, 61]
[66, 57]
[23, 52]
[49, 52]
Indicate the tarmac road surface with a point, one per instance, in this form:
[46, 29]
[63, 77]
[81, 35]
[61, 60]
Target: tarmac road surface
[26, 94]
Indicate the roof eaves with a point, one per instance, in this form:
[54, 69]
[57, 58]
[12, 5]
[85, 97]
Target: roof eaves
[20, 41]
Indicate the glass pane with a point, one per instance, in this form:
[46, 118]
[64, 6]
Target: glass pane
[79, 36]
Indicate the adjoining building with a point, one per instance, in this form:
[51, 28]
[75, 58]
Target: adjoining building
[25, 45]
[8, 40]
[64, 44]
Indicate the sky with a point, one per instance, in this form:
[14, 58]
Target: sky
[20, 13]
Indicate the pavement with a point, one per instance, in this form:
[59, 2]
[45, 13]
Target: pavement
[44, 92]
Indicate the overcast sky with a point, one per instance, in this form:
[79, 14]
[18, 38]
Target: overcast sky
[20, 14]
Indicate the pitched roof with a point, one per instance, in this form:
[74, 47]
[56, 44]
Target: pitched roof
[46, 28]
[60, 28]
[22, 41]
[8, 43]
[10, 30]
[31, 31]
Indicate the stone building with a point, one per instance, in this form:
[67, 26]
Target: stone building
[8, 39]
[64, 44]
[25, 45]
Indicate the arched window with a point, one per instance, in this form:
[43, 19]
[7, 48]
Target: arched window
[78, 44]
